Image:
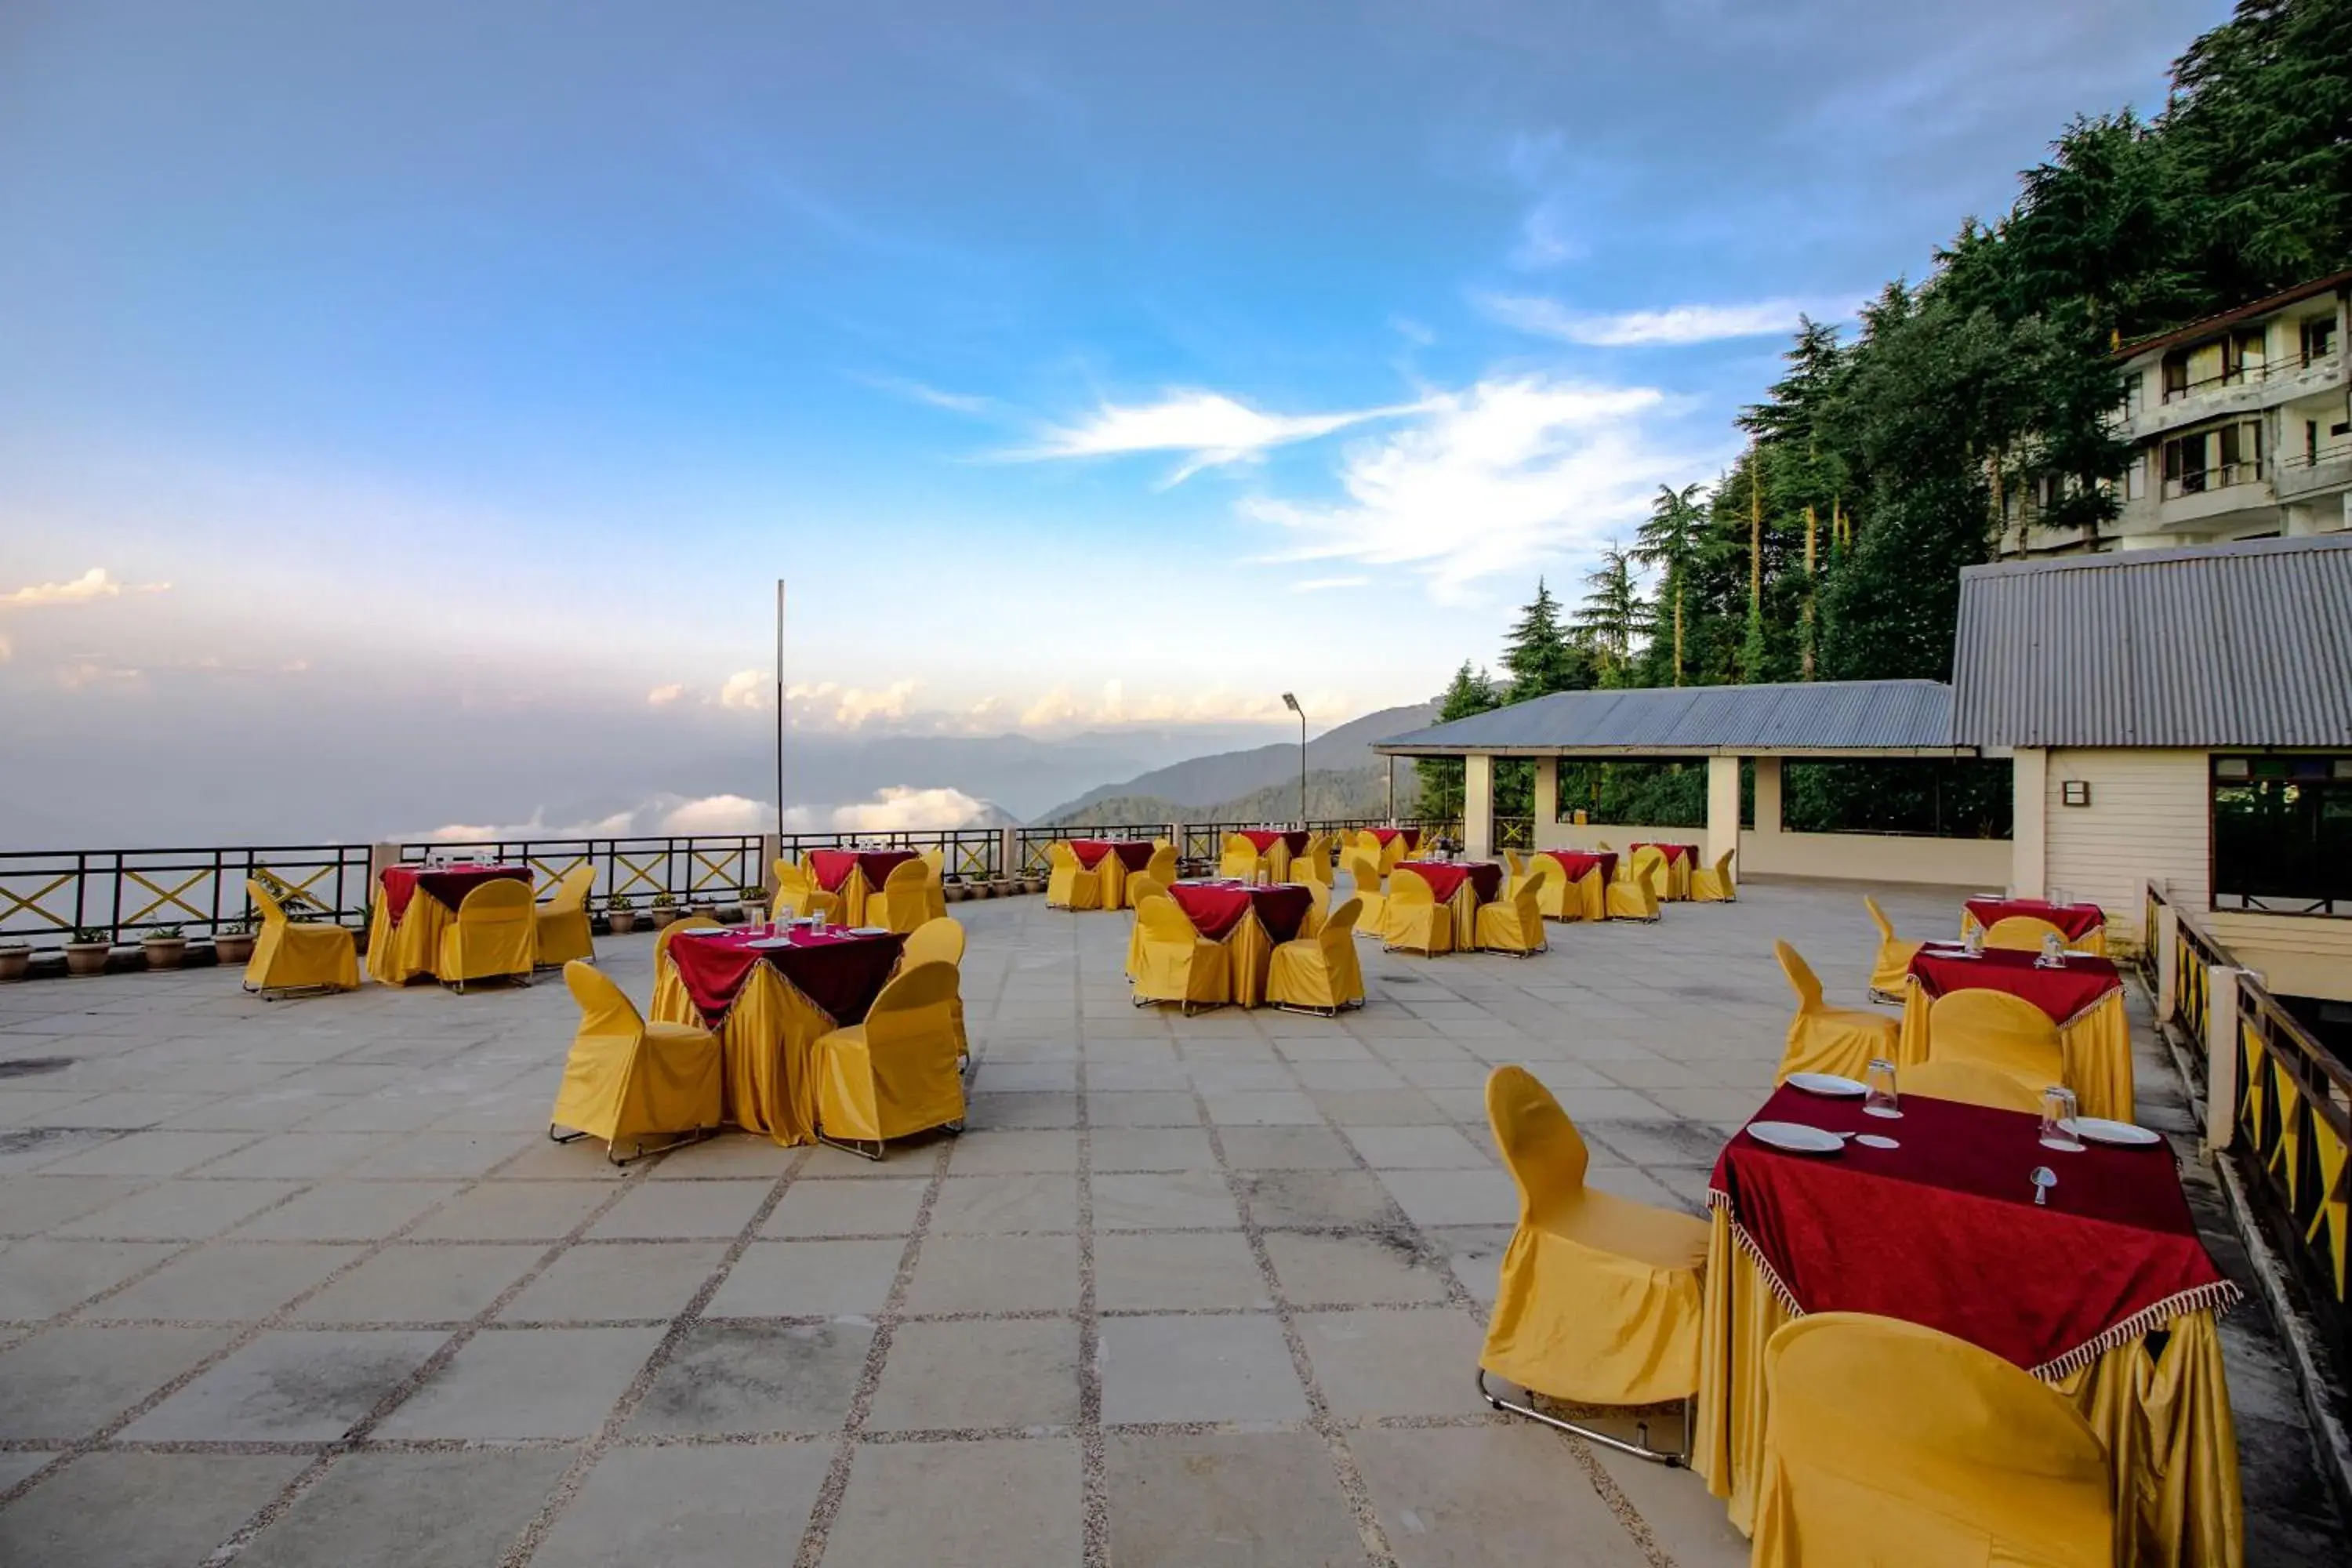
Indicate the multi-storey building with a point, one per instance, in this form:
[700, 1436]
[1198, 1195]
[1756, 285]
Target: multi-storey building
[2241, 429]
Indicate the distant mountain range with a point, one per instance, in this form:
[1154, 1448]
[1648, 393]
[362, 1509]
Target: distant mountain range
[1345, 778]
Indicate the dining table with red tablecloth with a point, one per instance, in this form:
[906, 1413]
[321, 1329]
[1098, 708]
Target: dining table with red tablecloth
[771, 993]
[1461, 886]
[2083, 997]
[1277, 846]
[2085, 926]
[1681, 858]
[1385, 836]
[1113, 860]
[2104, 1291]
[852, 874]
[414, 905]
[1590, 872]
[1250, 920]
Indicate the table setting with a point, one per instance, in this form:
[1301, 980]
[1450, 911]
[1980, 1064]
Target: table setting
[415, 904]
[1250, 919]
[2082, 994]
[1587, 889]
[852, 874]
[1461, 886]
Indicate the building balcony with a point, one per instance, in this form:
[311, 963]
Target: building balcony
[2303, 475]
[2246, 390]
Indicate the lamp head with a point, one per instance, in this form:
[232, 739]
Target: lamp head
[1291, 702]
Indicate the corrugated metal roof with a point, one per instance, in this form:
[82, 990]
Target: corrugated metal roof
[2231, 644]
[1849, 716]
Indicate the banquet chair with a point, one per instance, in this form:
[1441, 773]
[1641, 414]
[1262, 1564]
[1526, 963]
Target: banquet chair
[2022, 933]
[1971, 1084]
[1713, 884]
[1890, 1442]
[1319, 974]
[1598, 1299]
[291, 957]
[940, 941]
[1995, 1031]
[898, 1073]
[1557, 894]
[935, 887]
[1161, 867]
[1821, 1039]
[662, 937]
[626, 1079]
[1140, 887]
[1174, 963]
[1240, 858]
[562, 921]
[798, 893]
[1512, 925]
[1891, 969]
[1648, 865]
[1417, 923]
[1364, 870]
[1318, 907]
[1516, 862]
[496, 932]
[1630, 898]
[903, 901]
[1391, 853]
[1069, 884]
[1312, 865]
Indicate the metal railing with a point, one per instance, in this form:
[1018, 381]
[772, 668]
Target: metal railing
[2250, 374]
[119, 894]
[1515, 833]
[2203, 481]
[2284, 1111]
[1030, 844]
[707, 866]
[966, 854]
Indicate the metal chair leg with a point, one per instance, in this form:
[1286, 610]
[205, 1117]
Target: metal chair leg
[1639, 1449]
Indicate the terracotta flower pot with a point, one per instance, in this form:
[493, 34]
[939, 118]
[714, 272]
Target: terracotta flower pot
[165, 951]
[621, 922]
[15, 961]
[662, 917]
[87, 957]
[233, 949]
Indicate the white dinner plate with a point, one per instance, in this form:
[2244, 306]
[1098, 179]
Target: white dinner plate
[2099, 1130]
[869, 930]
[1828, 1083]
[765, 944]
[1796, 1137]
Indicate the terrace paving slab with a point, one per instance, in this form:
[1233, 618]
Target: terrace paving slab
[615, 1281]
[289, 1387]
[1227, 1501]
[995, 1274]
[65, 1384]
[502, 1386]
[412, 1510]
[410, 1284]
[1225, 1368]
[688, 1507]
[140, 1510]
[972, 1376]
[1144, 1270]
[986, 1504]
[753, 1378]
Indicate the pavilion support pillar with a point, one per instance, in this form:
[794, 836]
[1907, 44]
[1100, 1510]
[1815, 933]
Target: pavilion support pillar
[1478, 805]
[1540, 833]
[1722, 807]
[1764, 838]
[2029, 837]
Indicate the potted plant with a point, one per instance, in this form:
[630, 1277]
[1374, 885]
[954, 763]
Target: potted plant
[621, 914]
[663, 909]
[755, 904]
[15, 958]
[166, 947]
[233, 943]
[86, 953]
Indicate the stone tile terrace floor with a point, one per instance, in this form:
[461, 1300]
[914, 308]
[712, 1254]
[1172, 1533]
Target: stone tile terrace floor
[304, 1282]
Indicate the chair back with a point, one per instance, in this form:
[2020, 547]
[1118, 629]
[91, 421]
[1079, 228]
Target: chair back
[1061, 856]
[605, 1007]
[1365, 871]
[1723, 866]
[937, 941]
[935, 861]
[794, 885]
[1878, 917]
[1163, 920]
[1650, 867]
[572, 891]
[1517, 861]
[908, 876]
[1540, 1146]
[1144, 885]
[1957, 1449]
[1971, 1084]
[506, 902]
[1407, 888]
[265, 901]
[1994, 1029]
[1337, 934]
[1161, 867]
[919, 1001]
[1529, 908]
[2023, 933]
[1801, 978]
[1312, 865]
[662, 937]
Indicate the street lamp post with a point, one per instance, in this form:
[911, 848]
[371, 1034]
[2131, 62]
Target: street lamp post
[1291, 702]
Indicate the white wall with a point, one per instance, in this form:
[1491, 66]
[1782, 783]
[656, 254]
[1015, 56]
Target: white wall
[1969, 865]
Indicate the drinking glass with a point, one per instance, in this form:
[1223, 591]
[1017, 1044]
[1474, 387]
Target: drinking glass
[1976, 938]
[2057, 1110]
[2054, 950]
[2058, 899]
[1879, 1079]
[816, 921]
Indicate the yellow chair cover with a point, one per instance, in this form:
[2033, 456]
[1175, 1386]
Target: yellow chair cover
[1320, 973]
[1823, 1038]
[1599, 1299]
[1140, 887]
[1068, 885]
[563, 930]
[1631, 899]
[1176, 962]
[797, 893]
[663, 937]
[2094, 1047]
[940, 941]
[1995, 1031]
[626, 1079]
[1314, 864]
[1241, 858]
[1417, 923]
[1889, 1442]
[496, 932]
[1364, 871]
[290, 955]
[903, 901]
[1713, 884]
[1890, 972]
[2022, 933]
[1391, 853]
[1513, 924]
[1969, 1084]
[1516, 862]
[896, 1073]
[1160, 868]
[1318, 907]
[398, 953]
[1649, 864]
[2093, 941]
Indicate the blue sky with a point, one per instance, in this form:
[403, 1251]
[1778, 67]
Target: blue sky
[1077, 365]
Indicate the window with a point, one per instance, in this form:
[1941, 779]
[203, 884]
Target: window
[2212, 459]
[2318, 338]
[2283, 834]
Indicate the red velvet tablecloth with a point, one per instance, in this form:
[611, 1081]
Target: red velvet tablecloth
[840, 972]
[446, 884]
[1674, 853]
[1262, 840]
[2075, 921]
[830, 867]
[1214, 908]
[1411, 836]
[2060, 992]
[1943, 1230]
[1134, 854]
[1445, 878]
[1575, 863]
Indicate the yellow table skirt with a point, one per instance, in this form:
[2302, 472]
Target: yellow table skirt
[1112, 870]
[1463, 907]
[1594, 894]
[768, 1042]
[2096, 941]
[2095, 1043]
[1249, 953]
[2165, 1419]
[397, 954]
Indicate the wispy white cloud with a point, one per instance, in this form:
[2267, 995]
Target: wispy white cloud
[895, 808]
[664, 695]
[1546, 238]
[1325, 584]
[1062, 708]
[1671, 326]
[924, 392]
[1209, 427]
[93, 585]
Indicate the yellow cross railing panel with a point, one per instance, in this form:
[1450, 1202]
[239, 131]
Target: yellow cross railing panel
[164, 895]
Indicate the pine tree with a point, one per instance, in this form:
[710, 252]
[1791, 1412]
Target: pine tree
[1538, 654]
[1613, 616]
[1470, 691]
[1670, 539]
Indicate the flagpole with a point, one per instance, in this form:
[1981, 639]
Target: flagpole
[780, 707]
